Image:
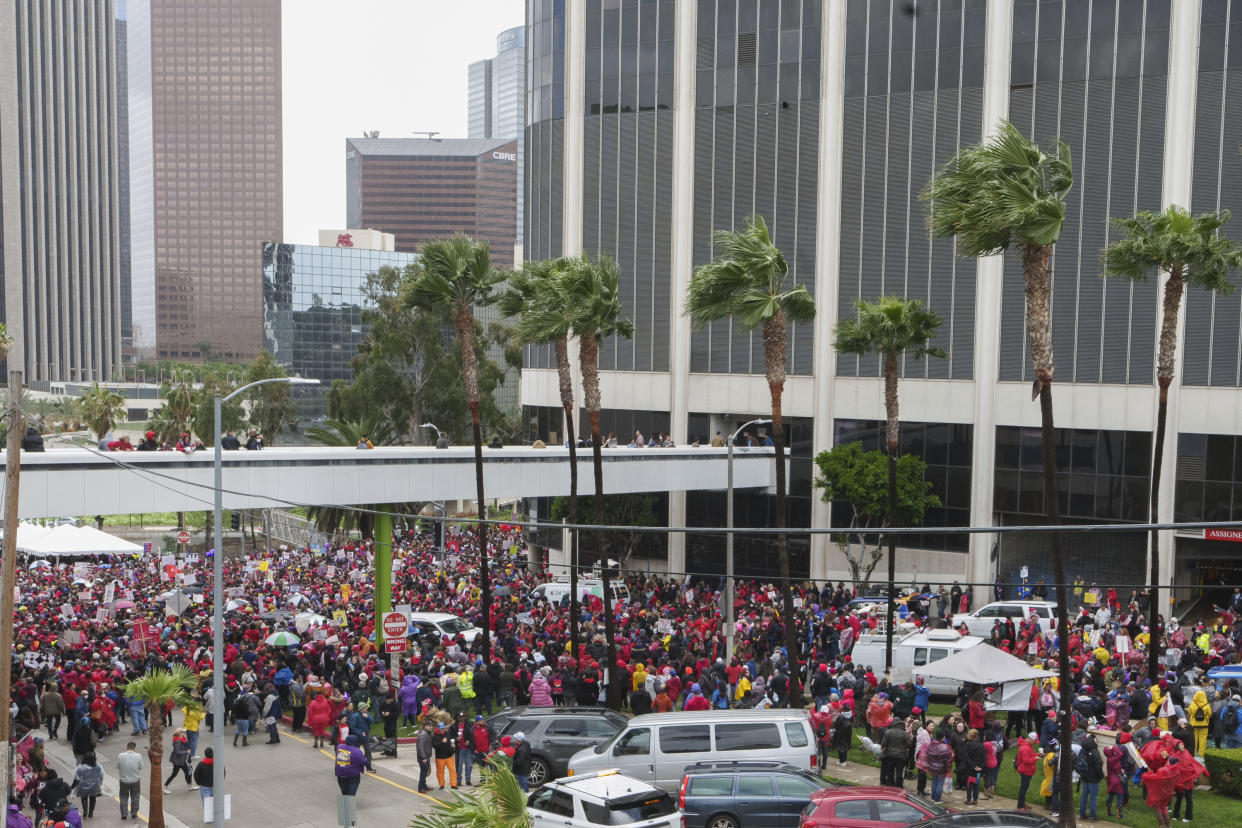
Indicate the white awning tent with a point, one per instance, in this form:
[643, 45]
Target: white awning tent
[29, 533]
[987, 666]
[67, 541]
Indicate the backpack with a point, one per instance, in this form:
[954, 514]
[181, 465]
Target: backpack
[241, 708]
[1081, 765]
[1229, 719]
[821, 730]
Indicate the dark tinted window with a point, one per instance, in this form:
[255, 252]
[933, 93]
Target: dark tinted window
[711, 785]
[685, 739]
[565, 727]
[853, 809]
[657, 806]
[747, 736]
[795, 787]
[600, 728]
[637, 742]
[525, 725]
[754, 786]
[795, 732]
[889, 811]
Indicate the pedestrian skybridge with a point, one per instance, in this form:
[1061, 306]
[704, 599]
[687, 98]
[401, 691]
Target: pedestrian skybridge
[83, 481]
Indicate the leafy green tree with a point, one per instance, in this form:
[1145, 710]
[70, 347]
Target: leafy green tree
[1008, 192]
[893, 328]
[746, 283]
[407, 372]
[859, 478]
[271, 405]
[203, 418]
[593, 301]
[457, 274]
[1192, 252]
[537, 296]
[101, 408]
[156, 689]
[628, 509]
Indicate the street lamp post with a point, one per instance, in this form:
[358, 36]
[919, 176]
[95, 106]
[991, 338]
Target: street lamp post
[730, 623]
[217, 612]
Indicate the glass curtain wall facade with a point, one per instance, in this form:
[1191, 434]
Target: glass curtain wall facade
[1095, 73]
[313, 301]
[913, 98]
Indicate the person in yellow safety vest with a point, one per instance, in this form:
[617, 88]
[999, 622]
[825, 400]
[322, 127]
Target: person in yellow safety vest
[465, 682]
[1158, 693]
[1200, 713]
[1203, 642]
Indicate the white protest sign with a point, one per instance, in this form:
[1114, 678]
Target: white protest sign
[109, 592]
[1122, 644]
[67, 611]
[168, 560]
[189, 578]
[797, 602]
[664, 626]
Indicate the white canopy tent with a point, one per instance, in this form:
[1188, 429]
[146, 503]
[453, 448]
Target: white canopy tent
[29, 533]
[987, 666]
[66, 541]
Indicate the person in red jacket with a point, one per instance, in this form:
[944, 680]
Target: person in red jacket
[1027, 762]
[696, 700]
[1161, 785]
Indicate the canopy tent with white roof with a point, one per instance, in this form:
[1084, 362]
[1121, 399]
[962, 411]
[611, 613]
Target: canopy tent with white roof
[67, 541]
[987, 666]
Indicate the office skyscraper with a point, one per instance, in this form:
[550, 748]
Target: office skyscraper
[675, 119]
[421, 189]
[497, 100]
[205, 172]
[59, 219]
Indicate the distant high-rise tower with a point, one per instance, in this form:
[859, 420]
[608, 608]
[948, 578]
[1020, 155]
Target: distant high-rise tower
[205, 172]
[59, 223]
[122, 177]
[497, 105]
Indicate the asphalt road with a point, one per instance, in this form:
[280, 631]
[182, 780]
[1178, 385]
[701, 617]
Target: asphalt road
[289, 785]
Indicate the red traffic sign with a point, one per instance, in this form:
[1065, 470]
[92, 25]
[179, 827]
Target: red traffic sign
[183, 537]
[396, 625]
[394, 645]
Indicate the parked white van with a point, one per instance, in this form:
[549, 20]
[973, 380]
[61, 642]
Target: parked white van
[911, 650]
[658, 747]
[555, 591]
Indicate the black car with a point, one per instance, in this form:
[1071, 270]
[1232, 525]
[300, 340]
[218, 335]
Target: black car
[999, 818]
[555, 734]
[745, 794]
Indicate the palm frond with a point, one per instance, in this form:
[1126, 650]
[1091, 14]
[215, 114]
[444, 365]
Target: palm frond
[890, 324]
[1174, 240]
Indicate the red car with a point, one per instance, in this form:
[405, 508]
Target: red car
[867, 806]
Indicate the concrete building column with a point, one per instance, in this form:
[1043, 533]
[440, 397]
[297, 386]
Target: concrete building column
[1179, 140]
[682, 265]
[988, 283]
[571, 172]
[827, 260]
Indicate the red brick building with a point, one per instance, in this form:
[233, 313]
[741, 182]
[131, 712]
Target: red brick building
[422, 189]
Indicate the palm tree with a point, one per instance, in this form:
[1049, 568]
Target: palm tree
[536, 295]
[457, 273]
[102, 409]
[1007, 193]
[1190, 250]
[498, 802]
[892, 327]
[593, 302]
[156, 689]
[746, 283]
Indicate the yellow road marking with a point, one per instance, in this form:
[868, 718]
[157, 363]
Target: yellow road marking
[376, 775]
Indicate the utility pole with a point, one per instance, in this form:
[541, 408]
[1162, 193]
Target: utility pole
[8, 575]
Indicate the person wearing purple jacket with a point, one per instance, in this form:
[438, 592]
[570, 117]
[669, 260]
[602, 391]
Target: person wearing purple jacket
[409, 700]
[350, 762]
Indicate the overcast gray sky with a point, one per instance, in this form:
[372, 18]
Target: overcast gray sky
[392, 65]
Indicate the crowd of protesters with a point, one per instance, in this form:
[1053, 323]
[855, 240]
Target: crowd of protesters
[84, 629]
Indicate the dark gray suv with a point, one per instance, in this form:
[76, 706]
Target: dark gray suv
[745, 794]
[555, 734]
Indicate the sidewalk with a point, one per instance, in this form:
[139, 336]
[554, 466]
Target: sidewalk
[857, 773]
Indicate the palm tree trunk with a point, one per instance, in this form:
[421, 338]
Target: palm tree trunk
[1038, 273]
[588, 357]
[470, 376]
[567, 402]
[1164, 377]
[155, 754]
[891, 427]
[774, 366]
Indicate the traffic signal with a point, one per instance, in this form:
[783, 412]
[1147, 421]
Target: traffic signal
[236, 521]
